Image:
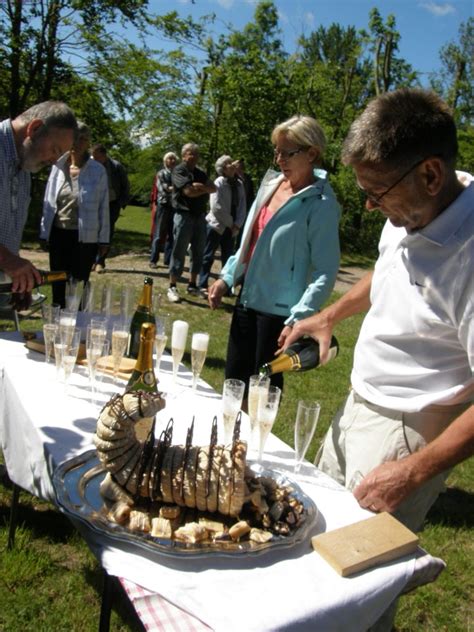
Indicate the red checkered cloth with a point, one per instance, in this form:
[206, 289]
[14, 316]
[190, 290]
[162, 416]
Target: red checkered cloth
[158, 614]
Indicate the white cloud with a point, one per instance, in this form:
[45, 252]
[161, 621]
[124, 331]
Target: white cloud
[309, 18]
[225, 4]
[438, 9]
[282, 16]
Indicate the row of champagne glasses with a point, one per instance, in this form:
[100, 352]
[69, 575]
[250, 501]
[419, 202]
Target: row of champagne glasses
[263, 403]
[60, 328]
[199, 347]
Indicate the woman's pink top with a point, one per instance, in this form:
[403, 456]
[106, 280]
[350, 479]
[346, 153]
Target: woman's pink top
[262, 220]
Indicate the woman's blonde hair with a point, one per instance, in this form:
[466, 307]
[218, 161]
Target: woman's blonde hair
[169, 154]
[303, 130]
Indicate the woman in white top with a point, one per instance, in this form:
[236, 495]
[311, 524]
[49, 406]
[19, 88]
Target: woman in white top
[75, 218]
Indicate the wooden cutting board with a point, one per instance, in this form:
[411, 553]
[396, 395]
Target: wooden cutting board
[126, 365]
[37, 345]
[364, 544]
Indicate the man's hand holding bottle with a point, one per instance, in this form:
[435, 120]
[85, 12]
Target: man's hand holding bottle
[319, 326]
[22, 272]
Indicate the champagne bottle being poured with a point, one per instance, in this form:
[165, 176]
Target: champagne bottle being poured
[6, 282]
[302, 355]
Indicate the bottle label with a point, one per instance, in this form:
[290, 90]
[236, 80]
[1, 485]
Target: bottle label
[295, 362]
[148, 378]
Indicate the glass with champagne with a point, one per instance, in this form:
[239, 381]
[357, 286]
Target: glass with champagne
[267, 412]
[120, 335]
[67, 323]
[69, 355]
[178, 344]
[49, 333]
[199, 345]
[258, 388]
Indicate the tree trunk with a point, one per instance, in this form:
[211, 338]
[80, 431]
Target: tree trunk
[15, 13]
[52, 22]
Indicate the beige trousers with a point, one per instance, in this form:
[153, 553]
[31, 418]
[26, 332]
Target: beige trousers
[363, 435]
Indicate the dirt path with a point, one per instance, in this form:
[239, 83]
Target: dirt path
[125, 268]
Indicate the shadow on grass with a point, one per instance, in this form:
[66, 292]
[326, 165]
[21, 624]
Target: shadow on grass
[43, 521]
[453, 508]
[120, 602]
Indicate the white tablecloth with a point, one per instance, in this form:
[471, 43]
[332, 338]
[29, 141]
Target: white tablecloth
[288, 589]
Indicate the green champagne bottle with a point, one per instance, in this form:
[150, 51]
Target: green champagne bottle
[143, 376]
[143, 314]
[302, 355]
[46, 278]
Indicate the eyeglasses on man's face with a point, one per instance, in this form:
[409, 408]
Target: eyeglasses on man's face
[283, 154]
[376, 199]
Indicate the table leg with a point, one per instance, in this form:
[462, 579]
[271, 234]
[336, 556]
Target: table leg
[106, 605]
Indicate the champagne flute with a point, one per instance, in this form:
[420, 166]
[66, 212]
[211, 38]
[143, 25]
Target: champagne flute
[95, 350]
[199, 345]
[74, 290]
[178, 344]
[95, 338]
[232, 396]
[50, 313]
[161, 338]
[49, 333]
[67, 323]
[59, 349]
[127, 301]
[69, 355]
[307, 415]
[88, 296]
[101, 368]
[119, 344]
[258, 387]
[267, 412]
[106, 300]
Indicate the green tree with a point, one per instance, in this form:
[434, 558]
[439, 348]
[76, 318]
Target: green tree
[389, 71]
[330, 79]
[38, 37]
[455, 81]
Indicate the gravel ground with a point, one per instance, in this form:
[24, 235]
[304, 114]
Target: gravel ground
[126, 267]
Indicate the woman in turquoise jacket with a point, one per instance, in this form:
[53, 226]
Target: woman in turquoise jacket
[288, 260]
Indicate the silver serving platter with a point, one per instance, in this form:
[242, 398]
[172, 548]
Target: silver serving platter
[77, 481]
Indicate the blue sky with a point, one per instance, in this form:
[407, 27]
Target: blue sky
[425, 25]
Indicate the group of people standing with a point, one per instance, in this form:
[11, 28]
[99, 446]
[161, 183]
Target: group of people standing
[191, 211]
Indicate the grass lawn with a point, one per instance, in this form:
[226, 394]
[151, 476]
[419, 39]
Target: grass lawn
[52, 582]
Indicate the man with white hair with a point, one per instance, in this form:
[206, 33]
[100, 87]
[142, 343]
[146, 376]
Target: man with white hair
[29, 142]
[191, 189]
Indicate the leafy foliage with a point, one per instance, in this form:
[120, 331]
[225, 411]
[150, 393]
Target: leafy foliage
[225, 92]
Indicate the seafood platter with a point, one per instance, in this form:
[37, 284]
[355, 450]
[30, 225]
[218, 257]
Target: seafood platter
[178, 499]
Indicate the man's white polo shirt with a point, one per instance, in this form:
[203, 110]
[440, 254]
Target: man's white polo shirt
[416, 344]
